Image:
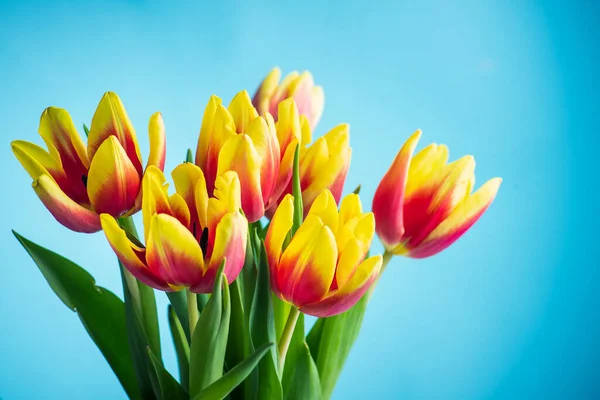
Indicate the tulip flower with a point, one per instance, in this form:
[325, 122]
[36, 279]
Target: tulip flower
[322, 271]
[424, 204]
[238, 139]
[77, 183]
[323, 164]
[309, 98]
[187, 234]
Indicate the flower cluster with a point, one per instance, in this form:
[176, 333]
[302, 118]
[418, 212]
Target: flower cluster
[243, 173]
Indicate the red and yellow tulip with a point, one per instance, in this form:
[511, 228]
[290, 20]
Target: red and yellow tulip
[424, 204]
[77, 183]
[238, 139]
[323, 270]
[323, 164]
[187, 234]
[301, 87]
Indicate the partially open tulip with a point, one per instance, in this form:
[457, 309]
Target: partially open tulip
[187, 234]
[323, 164]
[424, 204]
[323, 270]
[238, 139]
[77, 183]
[299, 86]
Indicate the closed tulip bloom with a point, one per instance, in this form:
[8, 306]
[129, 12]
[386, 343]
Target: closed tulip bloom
[299, 86]
[424, 204]
[322, 271]
[187, 234]
[77, 183]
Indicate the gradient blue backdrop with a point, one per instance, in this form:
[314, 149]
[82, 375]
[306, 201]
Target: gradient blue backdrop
[509, 311]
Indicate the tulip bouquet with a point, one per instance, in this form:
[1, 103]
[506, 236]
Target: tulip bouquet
[254, 236]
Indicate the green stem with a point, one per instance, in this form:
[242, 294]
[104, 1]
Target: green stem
[286, 336]
[193, 314]
[387, 256]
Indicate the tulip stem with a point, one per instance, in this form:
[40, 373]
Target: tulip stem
[387, 256]
[193, 315]
[286, 336]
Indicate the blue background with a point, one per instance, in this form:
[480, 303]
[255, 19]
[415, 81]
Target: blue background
[509, 311]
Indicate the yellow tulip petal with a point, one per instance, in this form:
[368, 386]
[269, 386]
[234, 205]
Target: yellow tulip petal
[242, 111]
[36, 160]
[280, 226]
[426, 168]
[109, 119]
[223, 130]
[459, 221]
[307, 266]
[267, 146]
[158, 141]
[67, 149]
[113, 182]
[132, 256]
[155, 199]
[186, 177]
[325, 164]
[288, 125]
[239, 155]
[350, 293]
[66, 211]
[180, 210]
[350, 207]
[173, 253]
[63, 141]
[206, 131]
[326, 209]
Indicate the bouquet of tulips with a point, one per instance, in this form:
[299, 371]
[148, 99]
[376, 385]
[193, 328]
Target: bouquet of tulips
[255, 235]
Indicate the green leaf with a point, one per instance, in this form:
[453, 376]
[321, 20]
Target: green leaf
[262, 329]
[138, 341]
[189, 157]
[179, 304]
[182, 347]
[300, 375]
[281, 310]
[297, 192]
[144, 300]
[209, 341]
[100, 311]
[331, 340]
[165, 386]
[86, 130]
[238, 345]
[222, 387]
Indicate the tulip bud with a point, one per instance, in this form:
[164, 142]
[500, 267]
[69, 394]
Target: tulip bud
[424, 204]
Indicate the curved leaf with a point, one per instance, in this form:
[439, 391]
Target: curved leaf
[222, 387]
[101, 312]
